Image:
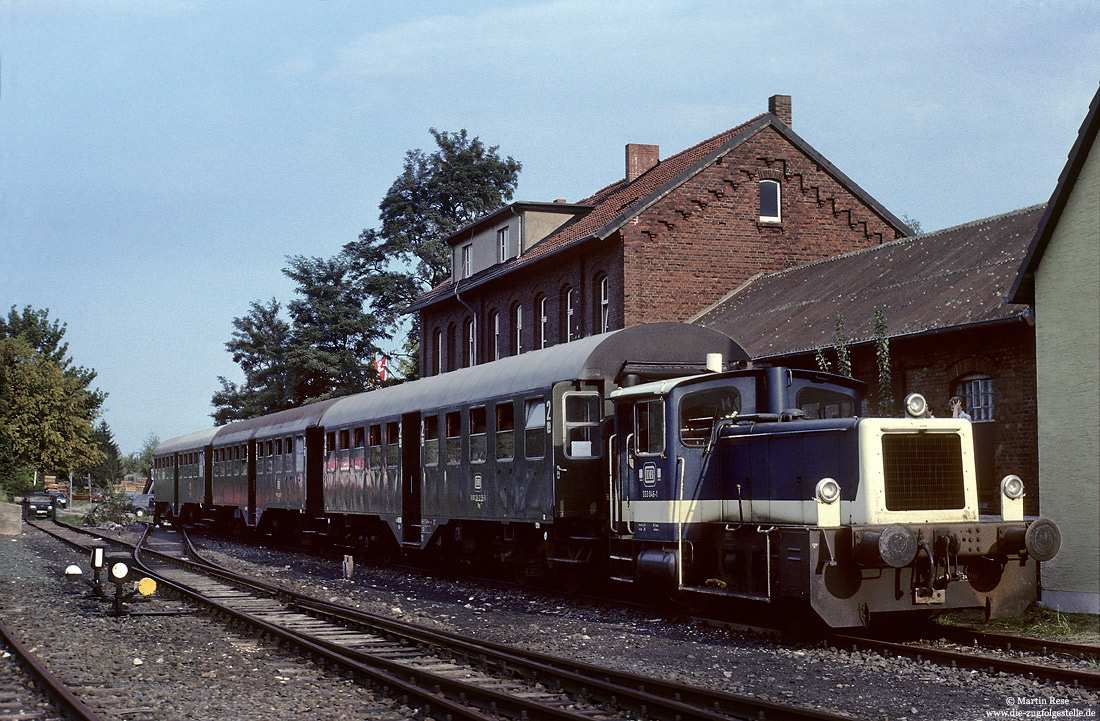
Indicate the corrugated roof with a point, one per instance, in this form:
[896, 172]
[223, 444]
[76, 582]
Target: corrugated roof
[950, 278]
[618, 203]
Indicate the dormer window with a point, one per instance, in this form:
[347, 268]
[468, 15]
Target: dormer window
[502, 244]
[467, 260]
[769, 201]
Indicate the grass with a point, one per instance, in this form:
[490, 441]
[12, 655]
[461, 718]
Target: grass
[1037, 622]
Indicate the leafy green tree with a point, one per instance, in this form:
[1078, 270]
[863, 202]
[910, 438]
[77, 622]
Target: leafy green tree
[259, 345]
[46, 336]
[46, 415]
[437, 194]
[108, 470]
[140, 463]
[349, 304]
[332, 336]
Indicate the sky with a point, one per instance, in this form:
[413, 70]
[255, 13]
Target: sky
[161, 159]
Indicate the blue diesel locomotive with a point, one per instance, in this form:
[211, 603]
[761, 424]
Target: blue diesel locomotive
[655, 455]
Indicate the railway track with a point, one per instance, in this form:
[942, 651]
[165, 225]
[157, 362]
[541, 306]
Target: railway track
[1042, 668]
[406, 660]
[29, 691]
[478, 677]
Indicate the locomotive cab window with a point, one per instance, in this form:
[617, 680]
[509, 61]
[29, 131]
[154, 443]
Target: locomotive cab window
[534, 428]
[478, 439]
[822, 403]
[700, 412]
[582, 424]
[505, 431]
[649, 427]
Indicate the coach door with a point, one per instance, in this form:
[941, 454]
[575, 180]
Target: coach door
[410, 478]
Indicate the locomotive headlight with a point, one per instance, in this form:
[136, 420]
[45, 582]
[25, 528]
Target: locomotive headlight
[1012, 487]
[828, 490]
[915, 405]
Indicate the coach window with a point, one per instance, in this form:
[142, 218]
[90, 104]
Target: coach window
[534, 428]
[701, 410]
[478, 441]
[505, 431]
[649, 427]
[454, 437]
[393, 452]
[582, 425]
[431, 440]
[358, 461]
[769, 201]
[375, 447]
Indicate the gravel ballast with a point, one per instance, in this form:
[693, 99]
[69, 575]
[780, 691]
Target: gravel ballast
[177, 667]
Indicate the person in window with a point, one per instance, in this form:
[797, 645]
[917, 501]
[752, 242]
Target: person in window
[957, 408]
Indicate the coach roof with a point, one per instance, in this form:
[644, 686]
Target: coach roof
[188, 442]
[602, 357]
[283, 423]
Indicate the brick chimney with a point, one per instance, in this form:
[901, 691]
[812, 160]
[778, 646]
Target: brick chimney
[640, 158]
[780, 107]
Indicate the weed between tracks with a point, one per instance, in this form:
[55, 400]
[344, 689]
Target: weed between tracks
[1037, 622]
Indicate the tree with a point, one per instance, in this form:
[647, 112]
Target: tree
[44, 335]
[437, 194]
[259, 346]
[46, 415]
[141, 462]
[333, 337]
[840, 344]
[349, 304]
[434, 196]
[108, 470]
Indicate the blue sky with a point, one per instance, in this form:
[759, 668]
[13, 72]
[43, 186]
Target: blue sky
[159, 159]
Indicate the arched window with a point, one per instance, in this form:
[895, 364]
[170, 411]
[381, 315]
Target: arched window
[569, 314]
[494, 336]
[451, 347]
[517, 329]
[469, 333]
[602, 305]
[769, 201]
[437, 351]
[976, 392]
[542, 322]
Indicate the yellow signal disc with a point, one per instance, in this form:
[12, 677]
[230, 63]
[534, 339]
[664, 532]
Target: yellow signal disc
[147, 586]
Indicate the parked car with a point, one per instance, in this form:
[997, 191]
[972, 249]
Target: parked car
[140, 504]
[38, 505]
[61, 499]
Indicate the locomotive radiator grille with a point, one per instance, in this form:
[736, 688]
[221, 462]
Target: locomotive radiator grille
[923, 472]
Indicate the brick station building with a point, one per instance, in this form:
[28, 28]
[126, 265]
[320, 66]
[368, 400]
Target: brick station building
[665, 242]
[942, 295]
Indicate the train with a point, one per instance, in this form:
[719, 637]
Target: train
[657, 456]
